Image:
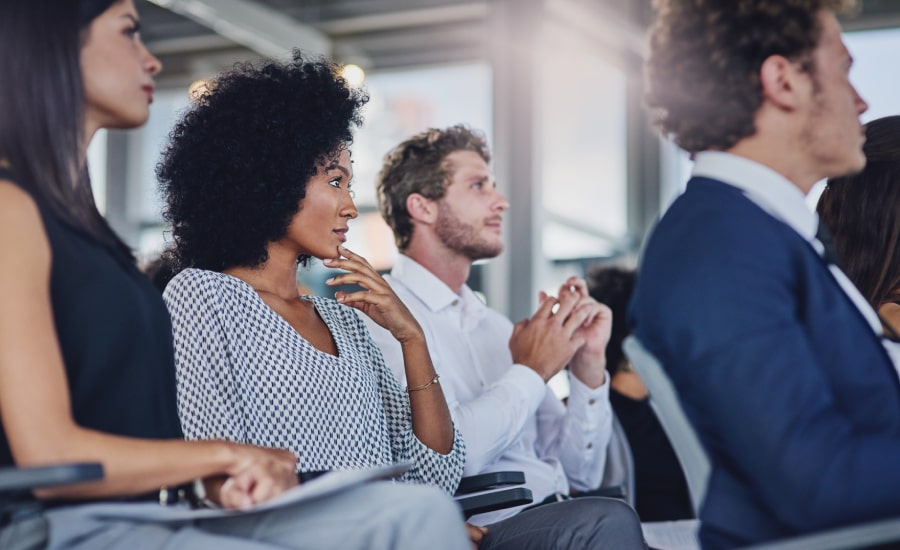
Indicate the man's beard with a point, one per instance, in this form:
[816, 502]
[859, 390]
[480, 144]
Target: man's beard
[828, 149]
[463, 238]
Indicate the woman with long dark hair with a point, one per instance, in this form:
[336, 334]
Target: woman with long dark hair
[86, 357]
[863, 214]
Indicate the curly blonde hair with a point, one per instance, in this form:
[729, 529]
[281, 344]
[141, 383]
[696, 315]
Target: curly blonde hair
[419, 165]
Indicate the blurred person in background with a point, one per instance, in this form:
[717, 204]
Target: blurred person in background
[778, 360]
[661, 492]
[863, 213]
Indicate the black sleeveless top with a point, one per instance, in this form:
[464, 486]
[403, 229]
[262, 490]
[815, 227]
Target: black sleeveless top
[115, 335]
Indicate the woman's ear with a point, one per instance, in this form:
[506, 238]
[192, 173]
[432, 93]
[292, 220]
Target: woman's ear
[421, 208]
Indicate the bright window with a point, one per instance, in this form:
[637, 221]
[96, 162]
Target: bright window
[583, 148]
[873, 74]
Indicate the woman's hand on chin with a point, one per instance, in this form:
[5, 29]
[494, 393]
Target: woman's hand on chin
[377, 299]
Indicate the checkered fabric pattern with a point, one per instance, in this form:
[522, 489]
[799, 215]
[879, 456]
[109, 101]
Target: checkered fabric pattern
[244, 374]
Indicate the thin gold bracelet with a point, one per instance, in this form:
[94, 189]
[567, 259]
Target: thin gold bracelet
[434, 380]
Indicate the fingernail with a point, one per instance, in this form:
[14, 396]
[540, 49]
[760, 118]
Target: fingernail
[340, 298]
[329, 280]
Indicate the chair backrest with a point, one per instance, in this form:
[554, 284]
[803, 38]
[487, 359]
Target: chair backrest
[693, 459]
[618, 473]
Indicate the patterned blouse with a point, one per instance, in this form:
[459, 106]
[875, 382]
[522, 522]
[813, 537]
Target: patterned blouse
[244, 374]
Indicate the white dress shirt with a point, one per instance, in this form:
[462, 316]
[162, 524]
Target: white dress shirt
[508, 417]
[786, 202]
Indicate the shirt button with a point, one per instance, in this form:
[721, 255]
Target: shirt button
[591, 401]
[590, 445]
[454, 303]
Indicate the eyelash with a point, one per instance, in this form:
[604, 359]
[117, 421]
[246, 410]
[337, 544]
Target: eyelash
[133, 30]
[336, 183]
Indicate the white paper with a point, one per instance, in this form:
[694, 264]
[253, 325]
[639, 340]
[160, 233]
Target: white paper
[319, 487]
[672, 535]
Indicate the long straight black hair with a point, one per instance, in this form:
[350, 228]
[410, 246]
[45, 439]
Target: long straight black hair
[42, 108]
[863, 213]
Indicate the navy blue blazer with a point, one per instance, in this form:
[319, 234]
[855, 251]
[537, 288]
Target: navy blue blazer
[792, 394]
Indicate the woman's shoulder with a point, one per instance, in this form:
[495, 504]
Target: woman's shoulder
[205, 279]
[194, 288]
[190, 280]
[16, 204]
[890, 312]
[20, 221]
[23, 281]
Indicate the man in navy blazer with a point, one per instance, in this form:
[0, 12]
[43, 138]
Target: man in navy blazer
[779, 361]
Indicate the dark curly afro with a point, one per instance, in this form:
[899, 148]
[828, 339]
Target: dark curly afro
[238, 162]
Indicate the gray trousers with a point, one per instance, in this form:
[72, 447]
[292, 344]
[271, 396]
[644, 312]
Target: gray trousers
[372, 516]
[577, 524]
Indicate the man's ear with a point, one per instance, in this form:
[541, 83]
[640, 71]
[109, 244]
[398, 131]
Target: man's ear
[784, 83]
[421, 208]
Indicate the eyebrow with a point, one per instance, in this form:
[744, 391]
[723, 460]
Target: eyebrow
[336, 166]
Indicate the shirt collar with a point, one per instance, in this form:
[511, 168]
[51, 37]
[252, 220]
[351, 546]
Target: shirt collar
[426, 286]
[767, 188]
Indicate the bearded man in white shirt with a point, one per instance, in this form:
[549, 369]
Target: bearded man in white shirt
[438, 194]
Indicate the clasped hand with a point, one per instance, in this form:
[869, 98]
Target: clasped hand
[571, 328]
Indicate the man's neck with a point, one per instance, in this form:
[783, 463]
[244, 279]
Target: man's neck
[448, 266]
[780, 144]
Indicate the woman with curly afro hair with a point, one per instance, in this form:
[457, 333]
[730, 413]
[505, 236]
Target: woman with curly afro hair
[257, 181]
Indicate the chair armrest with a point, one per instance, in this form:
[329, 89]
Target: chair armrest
[497, 500]
[490, 480]
[14, 479]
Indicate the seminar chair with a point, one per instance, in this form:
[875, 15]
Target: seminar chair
[477, 494]
[482, 493]
[696, 466]
[15, 480]
[691, 456]
[17, 505]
